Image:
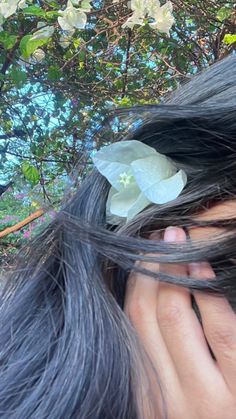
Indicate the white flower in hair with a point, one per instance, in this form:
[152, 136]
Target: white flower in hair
[139, 176]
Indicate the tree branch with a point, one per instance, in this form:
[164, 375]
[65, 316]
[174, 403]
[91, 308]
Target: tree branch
[127, 62]
[22, 223]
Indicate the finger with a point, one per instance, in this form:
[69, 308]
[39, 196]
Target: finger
[219, 323]
[140, 306]
[181, 330]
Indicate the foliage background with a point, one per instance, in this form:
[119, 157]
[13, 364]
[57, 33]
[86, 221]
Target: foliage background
[51, 110]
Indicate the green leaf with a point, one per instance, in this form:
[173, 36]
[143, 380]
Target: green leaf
[229, 39]
[29, 45]
[85, 4]
[224, 13]
[52, 14]
[7, 40]
[53, 4]
[18, 76]
[54, 73]
[30, 172]
[77, 42]
[125, 101]
[119, 83]
[82, 56]
[34, 11]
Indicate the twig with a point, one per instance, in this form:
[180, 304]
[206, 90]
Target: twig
[127, 62]
[33, 158]
[22, 223]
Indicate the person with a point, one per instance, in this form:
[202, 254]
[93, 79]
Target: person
[198, 383]
[133, 317]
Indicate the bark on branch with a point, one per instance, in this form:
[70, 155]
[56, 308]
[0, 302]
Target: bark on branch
[22, 223]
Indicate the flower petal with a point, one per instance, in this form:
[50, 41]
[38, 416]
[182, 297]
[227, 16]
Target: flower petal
[138, 6]
[125, 151]
[43, 33]
[79, 20]
[138, 205]
[111, 218]
[141, 203]
[153, 7]
[22, 4]
[112, 171]
[128, 202]
[122, 201]
[133, 20]
[115, 159]
[152, 169]
[163, 18]
[166, 190]
[7, 9]
[64, 24]
[38, 56]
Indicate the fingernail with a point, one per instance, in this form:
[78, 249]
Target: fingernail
[170, 234]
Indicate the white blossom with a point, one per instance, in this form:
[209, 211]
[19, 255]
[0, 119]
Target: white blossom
[161, 16]
[153, 6]
[65, 40]
[44, 32]
[72, 18]
[9, 7]
[139, 176]
[22, 4]
[38, 56]
[133, 20]
[139, 7]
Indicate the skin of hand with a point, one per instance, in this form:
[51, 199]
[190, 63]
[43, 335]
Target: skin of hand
[194, 385]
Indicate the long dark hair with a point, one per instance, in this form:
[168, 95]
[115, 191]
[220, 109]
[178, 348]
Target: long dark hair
[67, 349]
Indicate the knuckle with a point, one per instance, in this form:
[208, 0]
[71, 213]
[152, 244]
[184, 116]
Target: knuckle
[223, 337]
[137, 310]
[169, 315]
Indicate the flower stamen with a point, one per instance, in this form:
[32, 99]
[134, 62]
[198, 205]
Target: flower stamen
[126, 179]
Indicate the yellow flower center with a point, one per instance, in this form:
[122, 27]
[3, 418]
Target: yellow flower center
[126, 179]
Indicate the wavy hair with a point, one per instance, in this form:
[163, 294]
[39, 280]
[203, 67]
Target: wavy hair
[67, 349]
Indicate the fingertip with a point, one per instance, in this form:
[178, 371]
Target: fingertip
[173, 234]
[201, 269]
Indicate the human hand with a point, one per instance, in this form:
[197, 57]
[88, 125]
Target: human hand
[194, 385]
